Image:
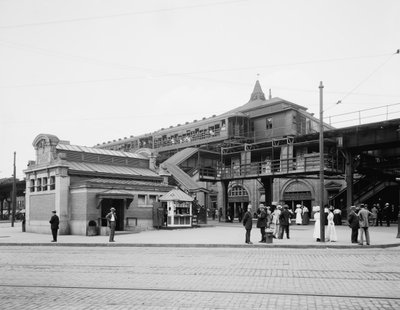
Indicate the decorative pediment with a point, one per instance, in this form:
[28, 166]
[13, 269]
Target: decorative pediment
[43, 140]
[297, 186]
[45, 146]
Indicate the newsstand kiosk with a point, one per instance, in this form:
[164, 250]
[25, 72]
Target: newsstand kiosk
[179, 208]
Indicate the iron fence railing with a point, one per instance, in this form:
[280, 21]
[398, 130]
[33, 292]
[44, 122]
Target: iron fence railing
[365, 116]
[302, 164]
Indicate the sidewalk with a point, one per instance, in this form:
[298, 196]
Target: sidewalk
[213, 234]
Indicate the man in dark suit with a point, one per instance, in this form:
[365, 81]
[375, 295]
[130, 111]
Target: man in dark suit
[248, 223]
[387, 213]
[284, 221]
[54, 224]
[353, 224]
[262, 222]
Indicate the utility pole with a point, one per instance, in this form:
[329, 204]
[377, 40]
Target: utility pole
[321, 162]
[14, 195]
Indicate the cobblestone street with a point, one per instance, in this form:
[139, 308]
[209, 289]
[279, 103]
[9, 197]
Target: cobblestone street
[198, 278]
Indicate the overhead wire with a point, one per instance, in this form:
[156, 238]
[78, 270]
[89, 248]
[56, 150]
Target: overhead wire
[365, 79]
[156, 73]
[79, 19]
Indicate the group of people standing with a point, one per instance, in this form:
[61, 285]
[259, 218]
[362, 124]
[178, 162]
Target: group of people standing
[359, 222]
[383, 213]
[278, 221]
[302, 215]
[359, 219]
[111, 223]
[330, 222]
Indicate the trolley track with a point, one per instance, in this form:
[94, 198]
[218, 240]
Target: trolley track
[195, 291]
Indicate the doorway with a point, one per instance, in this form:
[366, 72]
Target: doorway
[237, 210]
[118, 204]
[293, 203]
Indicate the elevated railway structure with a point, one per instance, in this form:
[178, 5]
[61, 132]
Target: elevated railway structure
[366, 156]
[269, 139]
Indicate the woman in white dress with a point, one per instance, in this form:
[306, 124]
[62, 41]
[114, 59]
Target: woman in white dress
[317, 228]
[298, 214]
[331, 231]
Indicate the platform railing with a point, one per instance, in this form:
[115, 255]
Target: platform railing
[309, 163]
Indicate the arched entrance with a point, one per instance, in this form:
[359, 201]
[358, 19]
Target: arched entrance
[238, 200]
[298, 192]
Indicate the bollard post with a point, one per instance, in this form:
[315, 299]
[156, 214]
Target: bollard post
[398, 225]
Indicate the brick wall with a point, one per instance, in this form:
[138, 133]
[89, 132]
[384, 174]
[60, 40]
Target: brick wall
[41, 206]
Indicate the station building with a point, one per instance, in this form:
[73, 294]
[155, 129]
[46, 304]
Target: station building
[83, 183]
[273, 122]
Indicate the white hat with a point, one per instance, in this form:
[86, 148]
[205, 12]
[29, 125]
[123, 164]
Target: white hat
[316, 208]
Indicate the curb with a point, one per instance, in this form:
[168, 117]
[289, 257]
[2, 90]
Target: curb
[188, 245]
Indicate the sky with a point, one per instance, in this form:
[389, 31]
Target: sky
[91, 71]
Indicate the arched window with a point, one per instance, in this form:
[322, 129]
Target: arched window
[237, 191]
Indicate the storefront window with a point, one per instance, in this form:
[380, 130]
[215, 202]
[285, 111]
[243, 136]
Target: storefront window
[152, 199]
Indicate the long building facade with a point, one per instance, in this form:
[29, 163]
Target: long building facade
[81, 184]
[223, 143]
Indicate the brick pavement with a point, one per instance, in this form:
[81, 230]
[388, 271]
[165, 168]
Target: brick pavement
[198, 278]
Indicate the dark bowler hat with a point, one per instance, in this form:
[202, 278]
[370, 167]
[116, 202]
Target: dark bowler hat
[54, 211]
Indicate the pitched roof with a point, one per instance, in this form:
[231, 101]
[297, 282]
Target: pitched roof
[176, 195]
[85, 149]
[124, 182]
[257, 93]
[257, 99]
[94, 168]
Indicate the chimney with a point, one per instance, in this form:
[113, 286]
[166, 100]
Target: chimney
[152, 162]
[270, 94]
[163, 172]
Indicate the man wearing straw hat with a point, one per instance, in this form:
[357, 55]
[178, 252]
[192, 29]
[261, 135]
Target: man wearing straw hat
[111, 220]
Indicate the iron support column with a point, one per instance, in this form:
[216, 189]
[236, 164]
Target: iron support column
[268, 189]
[225, 198]
[349, 181]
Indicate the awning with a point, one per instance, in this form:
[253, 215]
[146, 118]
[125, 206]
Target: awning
[116, 194]
[113, 194]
